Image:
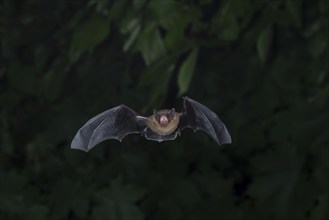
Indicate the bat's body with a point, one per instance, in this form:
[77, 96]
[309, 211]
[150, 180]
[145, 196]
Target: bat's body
[165, 126]
[118, 122]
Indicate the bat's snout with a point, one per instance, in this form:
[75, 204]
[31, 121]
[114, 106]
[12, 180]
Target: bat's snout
[164, 120]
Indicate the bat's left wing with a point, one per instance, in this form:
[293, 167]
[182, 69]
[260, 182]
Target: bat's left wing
[199, 117]
[115, 123]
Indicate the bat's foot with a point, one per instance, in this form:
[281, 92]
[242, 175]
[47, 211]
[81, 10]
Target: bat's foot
[143, 132]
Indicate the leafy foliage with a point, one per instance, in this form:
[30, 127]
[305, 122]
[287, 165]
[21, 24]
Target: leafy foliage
[262, 65]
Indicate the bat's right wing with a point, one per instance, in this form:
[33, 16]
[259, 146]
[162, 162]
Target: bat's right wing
[199, 117]
[115, 123]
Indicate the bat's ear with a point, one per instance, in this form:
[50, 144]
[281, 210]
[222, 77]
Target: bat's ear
[155, 111]
[172, 111]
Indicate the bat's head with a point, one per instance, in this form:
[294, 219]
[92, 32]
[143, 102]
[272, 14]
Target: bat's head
[164, 117]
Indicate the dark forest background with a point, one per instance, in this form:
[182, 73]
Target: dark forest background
[261, 65]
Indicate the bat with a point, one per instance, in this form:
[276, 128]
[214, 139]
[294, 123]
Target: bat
[163, 125]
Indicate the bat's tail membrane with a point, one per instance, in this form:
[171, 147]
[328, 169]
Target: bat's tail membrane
[151, 135]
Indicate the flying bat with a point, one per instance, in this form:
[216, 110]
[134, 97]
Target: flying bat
[163, 125]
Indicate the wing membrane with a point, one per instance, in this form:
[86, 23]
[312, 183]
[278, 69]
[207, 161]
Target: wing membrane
[199, 117]
[115, 123]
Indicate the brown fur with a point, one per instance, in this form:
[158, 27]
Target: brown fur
[158, 128]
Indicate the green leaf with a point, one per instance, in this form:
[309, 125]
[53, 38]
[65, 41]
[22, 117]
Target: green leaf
[119, 202]
[294, 8]
[186, 71]
[134, 29]
[12, 198]
[150, 44]
[38, 211]
[321, 209]
[278, 173]
[186, 193]
[225, 23]
[166, 13]
[24, 78]
[264, 42]
[157, 76]
[318, 45]
[169, 208]
[230, 30]
[90, 34]
[68, 195]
